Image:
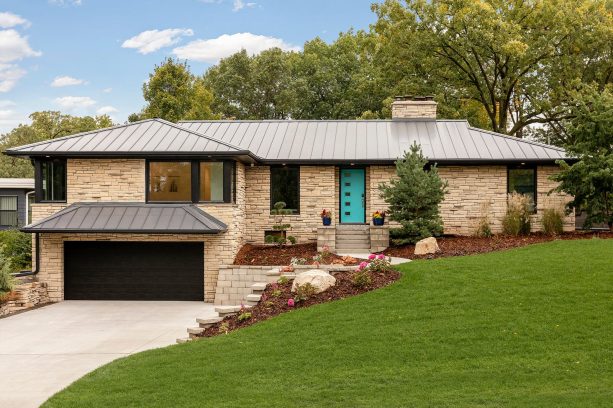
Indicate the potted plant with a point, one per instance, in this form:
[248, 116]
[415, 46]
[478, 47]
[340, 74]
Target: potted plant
[326, 216]
[378, 218]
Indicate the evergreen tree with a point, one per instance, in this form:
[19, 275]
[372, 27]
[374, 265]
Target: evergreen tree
[414, 196]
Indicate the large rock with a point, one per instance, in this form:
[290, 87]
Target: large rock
[426, 246]
[320, 279]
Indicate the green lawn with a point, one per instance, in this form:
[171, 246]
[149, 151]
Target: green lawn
[526, 327]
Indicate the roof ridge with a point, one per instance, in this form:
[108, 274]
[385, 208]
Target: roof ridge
[198, 134]
[517, 139]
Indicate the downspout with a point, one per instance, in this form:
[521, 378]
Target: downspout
[37, 257]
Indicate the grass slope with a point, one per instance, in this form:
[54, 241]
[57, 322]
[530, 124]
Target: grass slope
[525, 327]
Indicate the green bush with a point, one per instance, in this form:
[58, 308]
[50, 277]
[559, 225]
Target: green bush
[361, 279]
[400, 236]
[16, 249]
[516, 221]
[7, 281]
[304, 292]
[552, 221]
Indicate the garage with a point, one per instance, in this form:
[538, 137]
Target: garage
[104, 270]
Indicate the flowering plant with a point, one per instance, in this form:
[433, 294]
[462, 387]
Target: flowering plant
[325, 213]
[378, 214]
[375, 263]
[291, 303]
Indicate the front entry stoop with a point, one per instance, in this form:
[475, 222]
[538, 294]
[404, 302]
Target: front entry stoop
[353, 238]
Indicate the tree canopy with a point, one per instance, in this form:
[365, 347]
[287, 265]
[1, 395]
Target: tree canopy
[45, 125]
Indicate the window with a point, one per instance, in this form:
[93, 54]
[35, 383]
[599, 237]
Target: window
[51, 180]
[522, 180]
[8, 211]
[170, 181]
[211, 181]
[190, 181]
[285, 186]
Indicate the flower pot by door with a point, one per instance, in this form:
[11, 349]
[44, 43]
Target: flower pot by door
[378, 221]
[327, 221]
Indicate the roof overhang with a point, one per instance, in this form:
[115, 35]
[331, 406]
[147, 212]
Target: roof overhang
[128, 218]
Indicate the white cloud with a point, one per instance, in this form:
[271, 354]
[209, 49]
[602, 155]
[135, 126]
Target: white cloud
[60, 81]
[106, 110]
[66, 2]
[153, 40]
[240, 4]
[9, 119]
[107, 90]
[72, 103]
[8, 20]
[15, 47]
[212, 50]
[9, 75]
[6, 103]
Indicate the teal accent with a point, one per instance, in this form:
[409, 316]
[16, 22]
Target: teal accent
[352, 198]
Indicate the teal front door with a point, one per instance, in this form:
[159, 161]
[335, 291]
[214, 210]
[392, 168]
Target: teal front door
[352, 198]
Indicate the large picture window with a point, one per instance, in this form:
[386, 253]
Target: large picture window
[8, 211]
[51, 180]
[285, 187]
[522, 180]
[170, 181]
[190, 181]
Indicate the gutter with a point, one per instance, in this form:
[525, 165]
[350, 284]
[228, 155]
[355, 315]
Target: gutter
[35, 270]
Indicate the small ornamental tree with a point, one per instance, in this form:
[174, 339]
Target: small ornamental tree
[414, 196]
[590, 180]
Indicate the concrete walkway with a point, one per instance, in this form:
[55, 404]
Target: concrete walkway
[44, 350]
[364, 255]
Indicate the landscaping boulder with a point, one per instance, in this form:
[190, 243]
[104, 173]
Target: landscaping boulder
[320, 279]
[426, 246]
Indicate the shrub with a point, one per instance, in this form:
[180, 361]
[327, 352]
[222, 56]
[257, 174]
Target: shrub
[377, 263]
[361, 278]
[304, 292]
[244, 316]
[282, 280]
[552, 221]
[16, 249]
[483, 223]
[414, 196]
[399, 236]
[224, 328]
[516, 221]
[7, 282]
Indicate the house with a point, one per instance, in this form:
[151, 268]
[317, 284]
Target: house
[16, 195]
[152, 209]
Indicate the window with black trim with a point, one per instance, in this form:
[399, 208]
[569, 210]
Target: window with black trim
[190, 181]
[522, 180]
[285, 187]
[51, 180]
[8, 211]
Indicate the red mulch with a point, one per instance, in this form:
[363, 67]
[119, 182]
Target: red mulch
[457, 246]
[271, 305]
[274, 255]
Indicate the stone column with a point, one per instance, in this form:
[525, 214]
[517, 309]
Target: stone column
[379, 238]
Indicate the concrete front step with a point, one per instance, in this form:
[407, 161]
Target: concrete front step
[352, 240]
[206, 323]
[193, 332]
[352, 227]
[224, 311]
[353, 246]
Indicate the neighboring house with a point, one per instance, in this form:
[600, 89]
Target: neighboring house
[16, 194]
[152, 209]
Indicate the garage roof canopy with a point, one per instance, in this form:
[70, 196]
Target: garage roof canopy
[136, 218]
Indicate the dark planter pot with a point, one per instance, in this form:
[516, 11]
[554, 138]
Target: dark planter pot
[378, 221]
[326, 221]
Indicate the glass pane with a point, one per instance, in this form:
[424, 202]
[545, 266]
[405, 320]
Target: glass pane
[54, 180]
[211, 181]
[8, 203]
[170, 181]
[522, 181]
[8, 211]
[284, 186]
[30, 202]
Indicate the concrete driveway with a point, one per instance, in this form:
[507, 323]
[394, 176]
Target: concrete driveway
[44, 350]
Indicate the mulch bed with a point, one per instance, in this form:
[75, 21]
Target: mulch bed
[457, 245]
[274, 255]
[275, 297]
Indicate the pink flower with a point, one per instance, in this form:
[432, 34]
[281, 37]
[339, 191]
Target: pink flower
[363, 264]
[372, 256]
[290, 302]
[380, 256]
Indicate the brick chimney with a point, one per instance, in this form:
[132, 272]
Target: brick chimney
[413, 107]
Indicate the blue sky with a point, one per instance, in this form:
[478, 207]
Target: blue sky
[89, 56]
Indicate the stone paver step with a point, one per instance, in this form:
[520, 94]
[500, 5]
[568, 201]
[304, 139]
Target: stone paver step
[183, 340]
[355, 247]
[206, 323]
[253, 298]
[195, 330]
[258, 287]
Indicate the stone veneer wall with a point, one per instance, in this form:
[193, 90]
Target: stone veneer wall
[28, 292]
[124, 180]
[318, 189]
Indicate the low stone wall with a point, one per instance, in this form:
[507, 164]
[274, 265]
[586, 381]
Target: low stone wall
[379, 238]
[28, 293]
[326, 236]
[234, 281]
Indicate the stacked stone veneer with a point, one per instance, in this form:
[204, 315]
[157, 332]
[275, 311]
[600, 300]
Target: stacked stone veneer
[411, 109]
[234, 282]
[113, 180]
[28, 293]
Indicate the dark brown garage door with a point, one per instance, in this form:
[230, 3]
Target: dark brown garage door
[133, 270]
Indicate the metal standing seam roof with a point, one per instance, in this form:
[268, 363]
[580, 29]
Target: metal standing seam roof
[151, 136]
[371, 140]
[129, 218]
